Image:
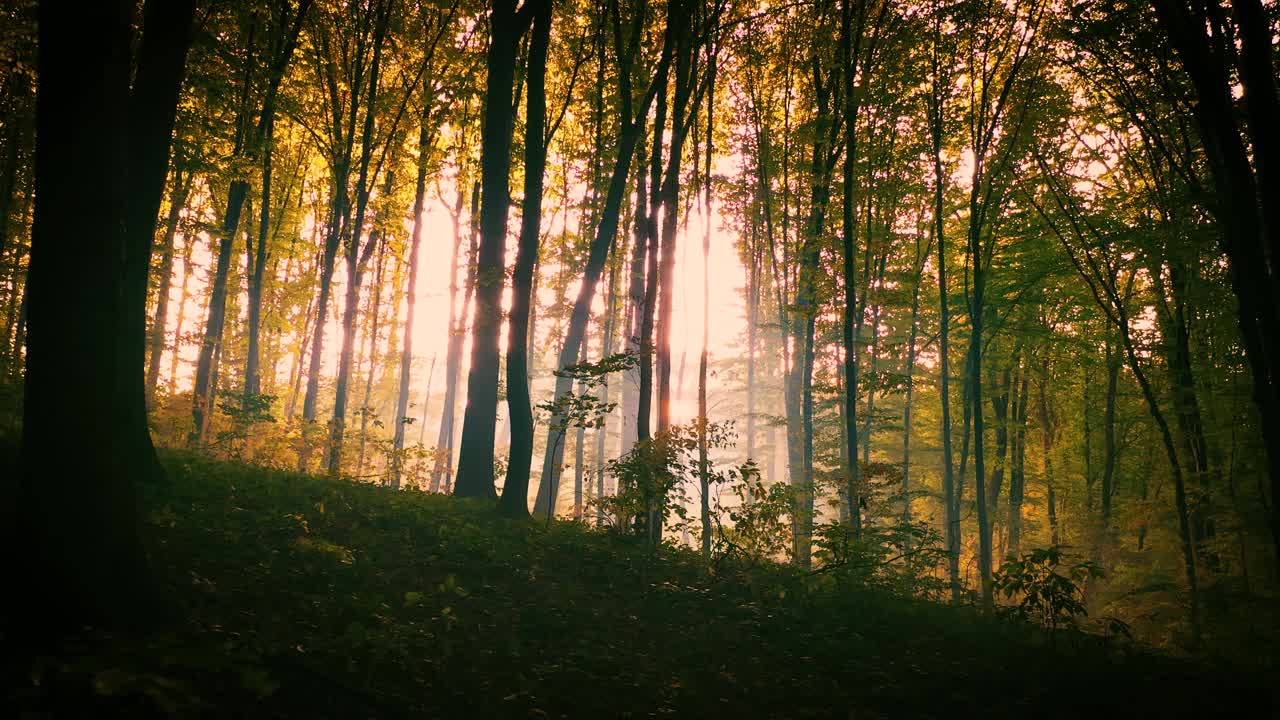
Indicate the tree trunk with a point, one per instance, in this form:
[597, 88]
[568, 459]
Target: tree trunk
[635, 314]
[1114, 359]
[979, 468]
[678, 20]
[90, 253]
[611, 311]
[703, 469]
[247, 145]
[357, 255]
[912, 332]
[375, 306]
[177, 202]
[406, 350]
[475, 459]
[950, 502]
[1248, 203]
[202, 402]
[601, 245]
[188, 246]
[849, 317]
[443, 470]
[515, 491]
[257, 272]
[1017, 469]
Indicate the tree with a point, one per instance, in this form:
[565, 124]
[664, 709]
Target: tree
[250, 133]
[1246, 190]
[515, 492]
[102, 157]
[475, 460]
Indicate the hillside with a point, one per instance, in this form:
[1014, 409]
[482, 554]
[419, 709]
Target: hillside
[292, 596]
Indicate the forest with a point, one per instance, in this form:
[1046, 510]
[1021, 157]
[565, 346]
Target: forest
[365, 357]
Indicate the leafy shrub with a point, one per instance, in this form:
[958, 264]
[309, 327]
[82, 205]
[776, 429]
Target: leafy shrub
[903, 558]
[1049, 585]
[761, 528]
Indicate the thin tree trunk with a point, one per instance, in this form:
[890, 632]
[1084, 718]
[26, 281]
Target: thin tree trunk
[443, 470]
[256, 274]
[635, 314]
[202, 402]
[357, 255]
[703, 469]
[1114, 360]
[406, 350]
[950, 501]
[849, 316]
[177, 202]
[912, 333]
[1017, 470]
[606, 233]
[753, 320]
[248, 143]
[375, 301]
[679, 20]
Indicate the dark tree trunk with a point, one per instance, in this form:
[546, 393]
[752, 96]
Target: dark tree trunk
[977, 309]
[922, 257]
[703, 467]
[1176, 336]
[849, 316]
[1247, 199]
[611, 317]
[1017, 462]
[679, 23]
[475, 458]
[950, 502]
[90, 254]
[821, 165]
[1000, 419]
[634, 315]
[153, 106]
[1114, 359]
[328, 257]
[515, 491]
[753, 321]
[202, 402]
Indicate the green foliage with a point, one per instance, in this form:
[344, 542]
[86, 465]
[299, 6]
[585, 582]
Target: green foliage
[244, 412]
[580, 408]
[1050, 587]
[761, 529]
[652, 478]
[878, 558]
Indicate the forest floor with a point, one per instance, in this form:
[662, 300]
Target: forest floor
[295, 596]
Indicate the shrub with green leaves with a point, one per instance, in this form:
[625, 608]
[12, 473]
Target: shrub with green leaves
[1048, 584]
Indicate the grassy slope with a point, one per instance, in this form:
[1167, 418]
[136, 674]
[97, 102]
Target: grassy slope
[296, 596]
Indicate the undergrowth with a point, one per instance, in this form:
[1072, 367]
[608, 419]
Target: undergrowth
[293, 596]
